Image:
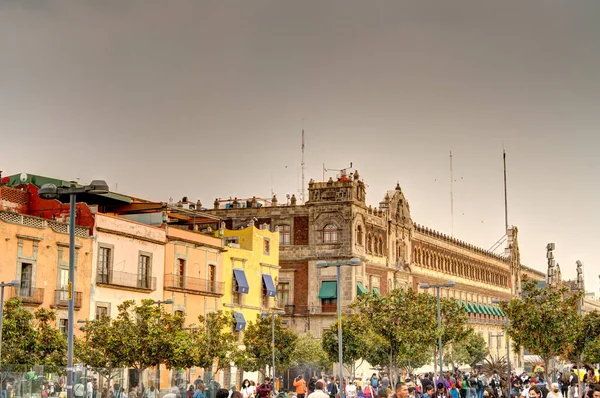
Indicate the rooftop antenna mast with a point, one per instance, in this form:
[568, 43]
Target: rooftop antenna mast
[451, 197]
[302, 164]
[505, 193]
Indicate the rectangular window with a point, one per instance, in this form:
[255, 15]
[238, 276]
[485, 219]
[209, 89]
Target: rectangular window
[180, 273]
[267, 246]
[63, 325]
[237, 296]
[63, 278]
[329, 305]
[265, 297]
[212, 278]
[285, 235]
[101, 311]
[104, 264]
[144, 272]
[283, 293]
[26, 282]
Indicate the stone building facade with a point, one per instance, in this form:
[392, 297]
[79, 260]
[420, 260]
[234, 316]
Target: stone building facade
[336, 223]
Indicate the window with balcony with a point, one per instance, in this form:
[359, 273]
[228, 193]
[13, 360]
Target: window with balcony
[330, 234]
[237, 296]
[285, 234]
[145, 271]
[104, 264]
[283, 293]
[26, 279]
[180, 273]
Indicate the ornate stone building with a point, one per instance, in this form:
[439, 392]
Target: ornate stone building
[336, 223]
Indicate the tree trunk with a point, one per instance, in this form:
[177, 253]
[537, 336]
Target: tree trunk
[546, 365]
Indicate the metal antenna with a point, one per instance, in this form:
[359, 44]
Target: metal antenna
[505, 193]
[451, 197]
[302, 164]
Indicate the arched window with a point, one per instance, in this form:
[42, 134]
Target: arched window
[359, 235]
[380, 246]
[285, 234]
[330, 234]
[369, 243]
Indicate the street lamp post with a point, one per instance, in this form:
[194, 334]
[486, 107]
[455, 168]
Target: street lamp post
[508, 383]
[51, 191]
[353, 262]
[264, 315]
[14, 283]
[437, 287]
[160, 303]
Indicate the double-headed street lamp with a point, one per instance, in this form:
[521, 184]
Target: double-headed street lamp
[353, 262]
[51, 191]
[507, 351]
[437, 287]
[264, 315]
[14, 283]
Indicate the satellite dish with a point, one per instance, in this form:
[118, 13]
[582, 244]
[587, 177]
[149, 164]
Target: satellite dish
[23, 178]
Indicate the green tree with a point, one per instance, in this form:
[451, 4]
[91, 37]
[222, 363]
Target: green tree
[404, 325]
[544, 321]
[19, 337]
[31, 338]
[100, 348]
[355, 341]
[587, 341]
[51, 344]
[309, 354]
[257, 340]
[147, 335]
[215, 343]
[470, 349]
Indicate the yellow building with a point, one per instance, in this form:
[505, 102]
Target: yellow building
[250, 272]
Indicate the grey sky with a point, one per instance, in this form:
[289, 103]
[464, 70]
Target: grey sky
[206, 99]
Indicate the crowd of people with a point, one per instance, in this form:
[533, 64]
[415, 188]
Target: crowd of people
[454, 385]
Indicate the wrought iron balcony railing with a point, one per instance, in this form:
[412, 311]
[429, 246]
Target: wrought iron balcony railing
[30, 295]
[193, 285]
[126, 280]
[61, 299]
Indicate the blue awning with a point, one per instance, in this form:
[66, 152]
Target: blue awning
[269, 285]
[242, 282]
[240, 321]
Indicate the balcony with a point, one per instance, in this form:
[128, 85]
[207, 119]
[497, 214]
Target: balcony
[61, 299]
[29, 295]
[188, 284]
[126, 281]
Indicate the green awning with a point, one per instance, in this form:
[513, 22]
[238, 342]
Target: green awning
[497, 311]
[501, 312]
[376, 291]
[478, 308]
[470, 309]
[361, 289]
[328, 290]
[487, 309]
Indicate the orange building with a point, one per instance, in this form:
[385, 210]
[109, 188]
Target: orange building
[35, 251]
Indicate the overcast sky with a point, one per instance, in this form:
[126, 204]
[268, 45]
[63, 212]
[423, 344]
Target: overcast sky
[207, 99]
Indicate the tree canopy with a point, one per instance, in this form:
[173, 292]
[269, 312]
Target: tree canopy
[31, 338]
[257, 340]
[545, 321]
[309, 354]
[355, 340]
[404, 325]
